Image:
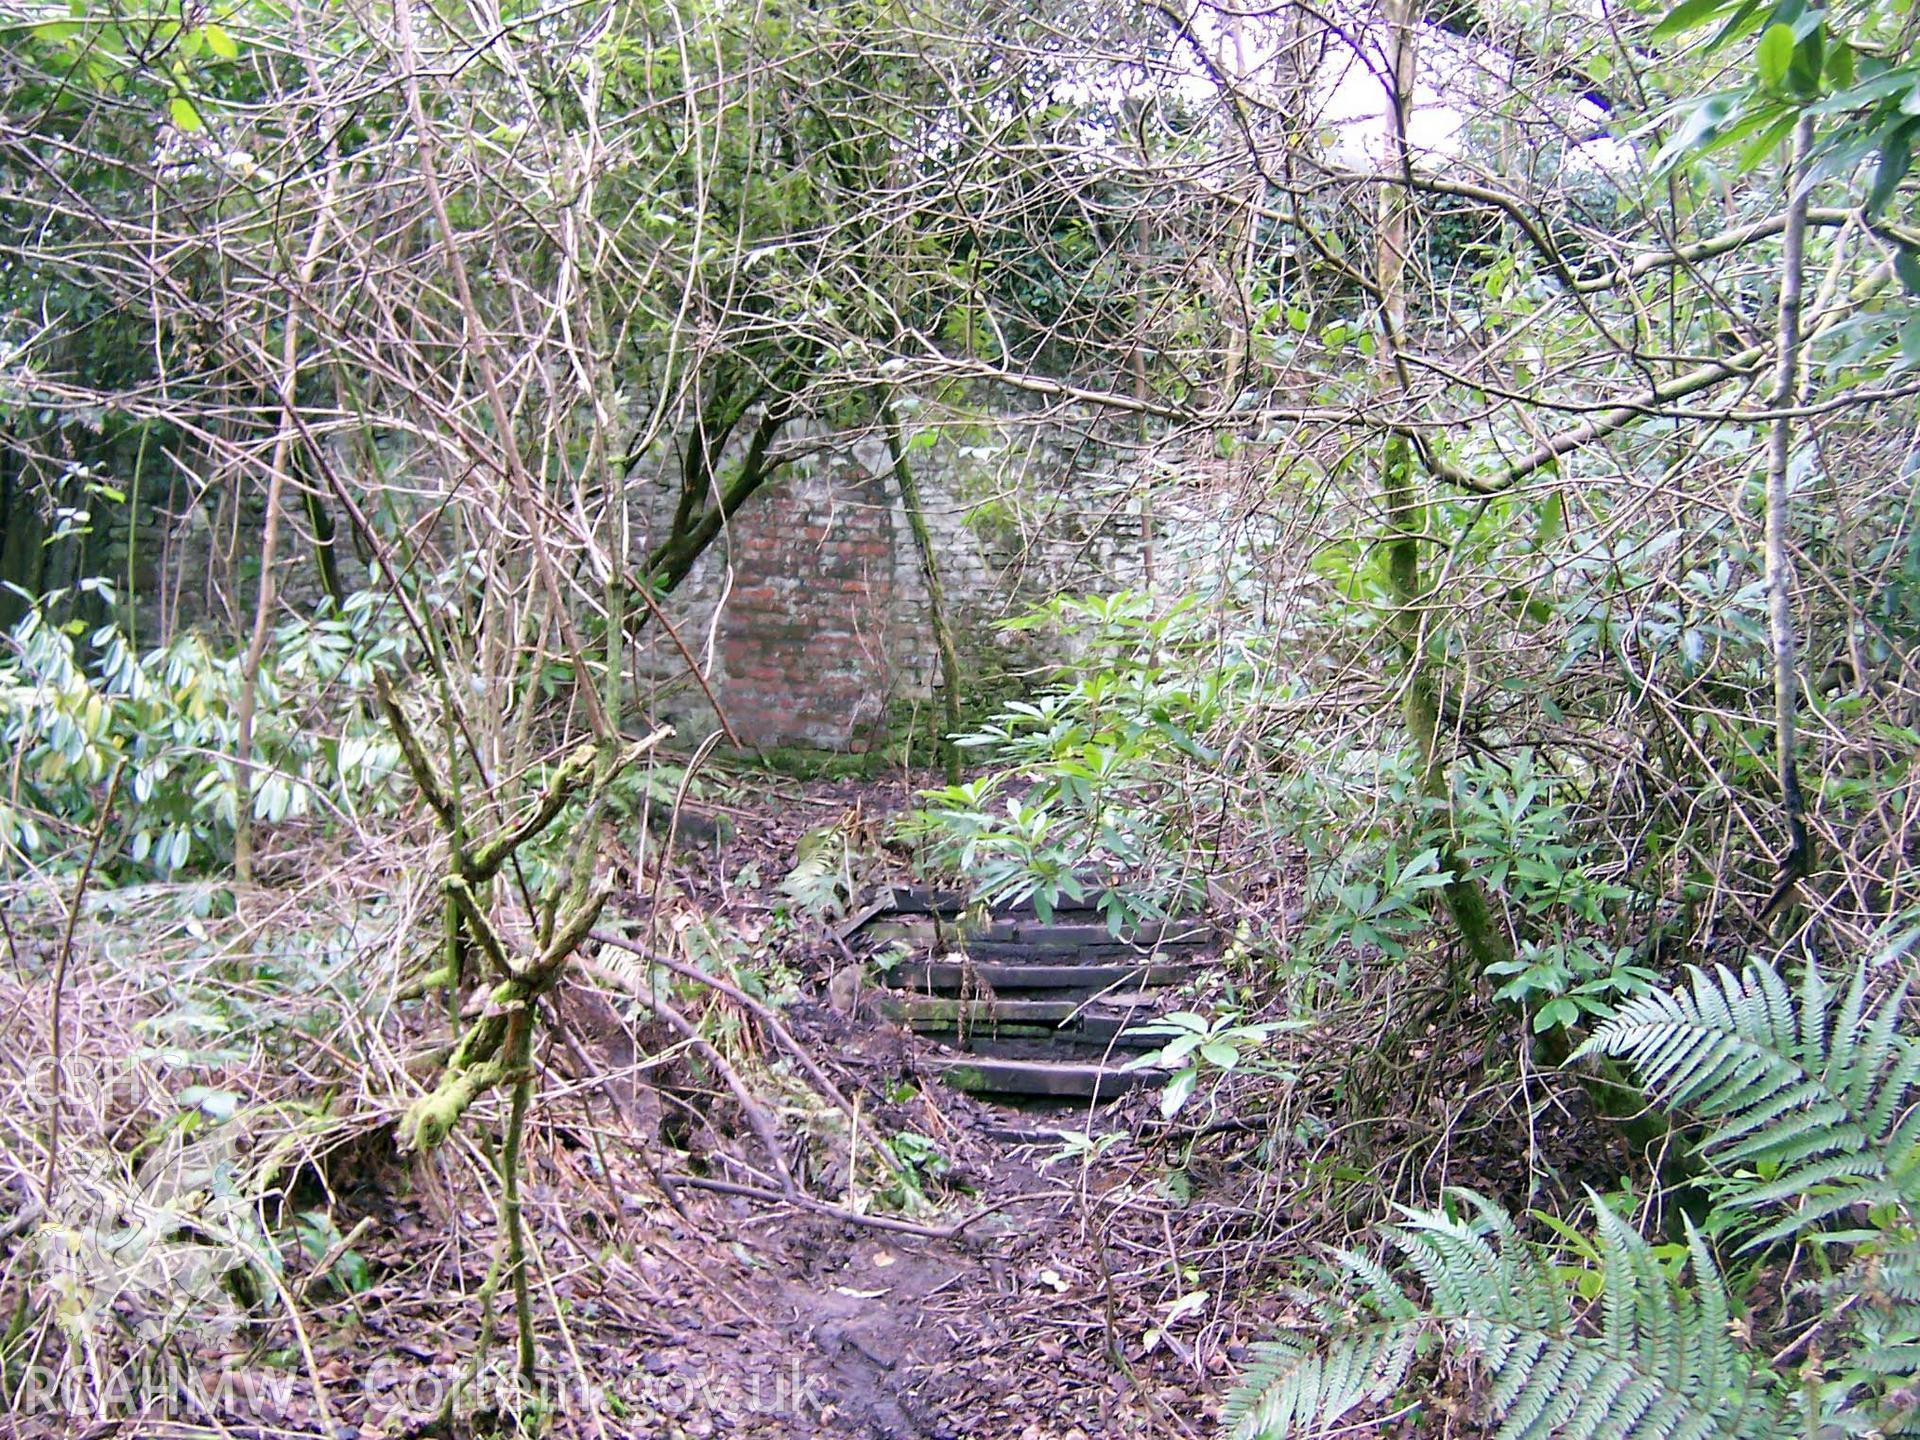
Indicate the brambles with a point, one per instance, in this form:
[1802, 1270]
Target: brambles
[1451, 473]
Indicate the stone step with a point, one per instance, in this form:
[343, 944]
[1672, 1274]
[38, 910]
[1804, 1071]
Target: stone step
[1048, 1079]
[1109, 953]
[1035, 931]
[1037, 1006]
[916, 903]
[925, 900]
[1105, 1020]
[1027, 937]
[955, 977]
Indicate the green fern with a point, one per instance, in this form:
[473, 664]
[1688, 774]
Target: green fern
[1810, 1106]
[1810, 1109]
[1816, 1097]
[1649, 1359]
[1879, 1294]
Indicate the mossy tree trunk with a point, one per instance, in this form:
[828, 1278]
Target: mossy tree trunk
[930, 569]
[1482, 940]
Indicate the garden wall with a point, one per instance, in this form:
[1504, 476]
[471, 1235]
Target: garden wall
[811, 616]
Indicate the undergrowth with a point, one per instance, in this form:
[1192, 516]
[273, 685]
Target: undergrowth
[1809, 1126]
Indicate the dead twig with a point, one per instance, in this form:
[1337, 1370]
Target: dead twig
[763, 1013]
[757, 1117]
[60, 967]
[852, 1217]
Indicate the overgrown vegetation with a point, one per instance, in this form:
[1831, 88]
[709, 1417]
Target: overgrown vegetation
[1426, 490]
[1807, 1107]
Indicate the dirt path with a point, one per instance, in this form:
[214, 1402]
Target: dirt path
[750, 1319]
[745, 1318]
[675, 1311]
[845, 1331]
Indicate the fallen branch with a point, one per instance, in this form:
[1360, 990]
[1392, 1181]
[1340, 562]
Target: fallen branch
[756, 1117]
[821, 1082]
[852, 1217]
[605, 1082]
[761, 1012]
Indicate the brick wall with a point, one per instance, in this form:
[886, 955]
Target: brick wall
[806, 645]
[809, 616]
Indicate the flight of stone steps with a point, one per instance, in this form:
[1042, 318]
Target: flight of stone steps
[1019, 1006]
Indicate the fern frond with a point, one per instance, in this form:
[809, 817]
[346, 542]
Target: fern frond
[1358, 1362]
[1295, 1387]
[1820, 1094]
[1890, 1274]
[1811, 1101]
[1879, 1292]
[1660, 1365]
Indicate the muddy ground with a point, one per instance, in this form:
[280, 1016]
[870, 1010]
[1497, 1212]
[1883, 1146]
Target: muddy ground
[1032, 1288]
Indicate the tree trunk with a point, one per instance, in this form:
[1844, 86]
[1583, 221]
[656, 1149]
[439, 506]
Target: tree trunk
[1481, 938]
[936, 594]
[1798, 860]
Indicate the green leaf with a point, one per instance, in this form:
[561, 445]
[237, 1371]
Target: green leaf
[1774, 54]
[1703, 122]
[184, 115]
[353, 1272]
[1862, 95]
[1803, 70]
[1906, 264]
[1840, 66]
[1179, 1090]
[1745, 19]
[1689, 16]
[1180, 1047]
[1769, 140]
[220, 42]
[1560, 1011]
[1896, 157]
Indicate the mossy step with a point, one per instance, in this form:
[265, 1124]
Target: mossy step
[1098, 1021]
[925, 903]
[1052, 1079]
[1015, 950]
[1037, 936]
[927, 900]
[958, 977]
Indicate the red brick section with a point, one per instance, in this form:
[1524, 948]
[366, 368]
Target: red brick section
[804, 640]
